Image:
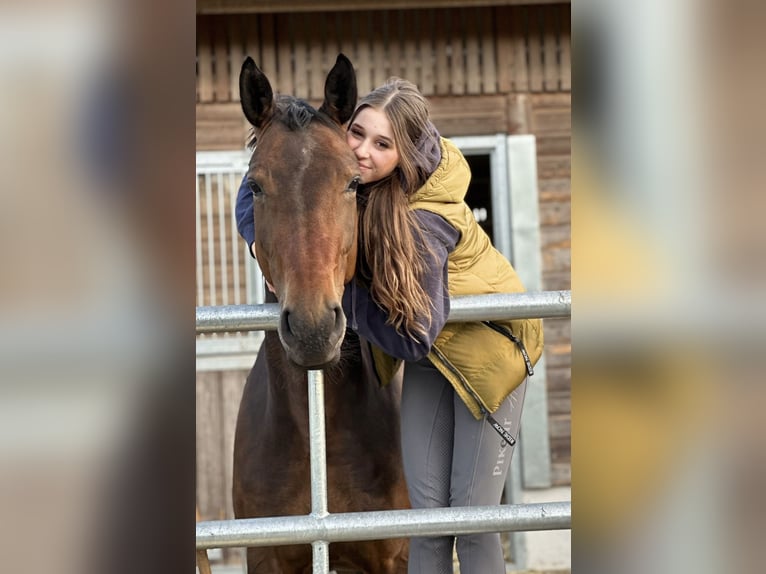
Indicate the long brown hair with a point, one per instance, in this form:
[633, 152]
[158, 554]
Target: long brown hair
[391, 262]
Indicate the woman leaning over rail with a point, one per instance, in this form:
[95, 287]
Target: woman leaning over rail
[464, 383]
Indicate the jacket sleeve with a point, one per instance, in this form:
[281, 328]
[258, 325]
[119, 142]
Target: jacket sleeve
[368, 319]
[244, 214]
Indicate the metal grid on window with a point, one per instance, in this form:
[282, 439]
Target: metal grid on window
[226, 273]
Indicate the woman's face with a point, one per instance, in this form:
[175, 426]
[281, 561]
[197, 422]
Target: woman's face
[372, 141]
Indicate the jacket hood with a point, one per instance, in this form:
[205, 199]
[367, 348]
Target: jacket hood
[449, 183]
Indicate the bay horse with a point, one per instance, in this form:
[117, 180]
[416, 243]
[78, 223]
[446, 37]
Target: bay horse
[303, 177]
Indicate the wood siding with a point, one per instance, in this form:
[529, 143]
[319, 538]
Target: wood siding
[485, 50]
[550, 121]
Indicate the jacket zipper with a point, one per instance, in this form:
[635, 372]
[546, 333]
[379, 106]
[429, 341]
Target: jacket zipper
[461, 378]
[506, 332]
[507, 437]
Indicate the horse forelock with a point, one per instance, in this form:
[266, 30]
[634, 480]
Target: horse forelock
[295, 114]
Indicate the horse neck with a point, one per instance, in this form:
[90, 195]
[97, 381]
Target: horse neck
[349, 391]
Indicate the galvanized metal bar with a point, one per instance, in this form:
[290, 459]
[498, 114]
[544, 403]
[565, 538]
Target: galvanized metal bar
[321, 555]
[382, 524]
[235, 243]
[210, 241]
[318, 458]
[222, 239]
[498, 306]
[198, 246]
[317, 444]
[541, 304]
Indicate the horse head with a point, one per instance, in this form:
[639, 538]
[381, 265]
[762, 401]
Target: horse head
[303, 177]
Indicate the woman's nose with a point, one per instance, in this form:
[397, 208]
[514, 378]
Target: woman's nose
[361, 150]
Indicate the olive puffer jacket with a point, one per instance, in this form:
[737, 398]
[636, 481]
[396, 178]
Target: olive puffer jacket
[481, 361]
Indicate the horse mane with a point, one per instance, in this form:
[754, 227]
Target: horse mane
[294, 113]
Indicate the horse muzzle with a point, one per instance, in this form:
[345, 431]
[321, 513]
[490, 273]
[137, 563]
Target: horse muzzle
[312, 340]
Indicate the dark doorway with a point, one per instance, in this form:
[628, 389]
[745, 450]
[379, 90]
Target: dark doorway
[479, 197]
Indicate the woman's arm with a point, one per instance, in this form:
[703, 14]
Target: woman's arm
[244, 213]
[369, 320]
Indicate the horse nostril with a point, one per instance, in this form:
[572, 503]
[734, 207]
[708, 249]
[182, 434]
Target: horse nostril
[284, 321]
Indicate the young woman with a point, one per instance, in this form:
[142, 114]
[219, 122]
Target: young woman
[419, 244]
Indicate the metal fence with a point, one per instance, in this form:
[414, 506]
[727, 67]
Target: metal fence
[320, 528]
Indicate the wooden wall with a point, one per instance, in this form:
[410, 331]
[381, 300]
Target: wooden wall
[550, 121]
[485, 70]
[471, 62]
[217, 400]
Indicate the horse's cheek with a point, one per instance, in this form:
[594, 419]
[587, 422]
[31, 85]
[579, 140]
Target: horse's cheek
[350, 263]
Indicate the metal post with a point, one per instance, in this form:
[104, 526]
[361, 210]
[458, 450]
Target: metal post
[318, 465]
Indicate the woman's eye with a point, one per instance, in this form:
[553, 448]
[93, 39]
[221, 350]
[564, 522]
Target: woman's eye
[353, 185]
[383, 145]
[254, 187]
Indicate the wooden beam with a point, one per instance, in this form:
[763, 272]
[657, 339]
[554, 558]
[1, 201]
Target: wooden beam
[222, 126]
[265, 6]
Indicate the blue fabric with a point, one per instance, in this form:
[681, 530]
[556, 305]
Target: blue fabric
[368, 319]
[244, 214]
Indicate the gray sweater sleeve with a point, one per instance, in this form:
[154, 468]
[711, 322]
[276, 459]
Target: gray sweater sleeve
[369, 320]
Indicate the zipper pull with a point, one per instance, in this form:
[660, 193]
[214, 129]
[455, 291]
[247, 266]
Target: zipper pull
[499, 428]
[530, 370]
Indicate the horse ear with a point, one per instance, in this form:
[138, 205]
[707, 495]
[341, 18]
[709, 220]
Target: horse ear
[340, 91]
[255, 93]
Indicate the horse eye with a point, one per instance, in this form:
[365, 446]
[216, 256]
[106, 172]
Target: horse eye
[353, 185]
[254, 187]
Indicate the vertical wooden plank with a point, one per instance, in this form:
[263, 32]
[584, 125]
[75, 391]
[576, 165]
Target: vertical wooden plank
[284, 53]
[346, 33]
[518, 39]
[410, 33]
[535, 47]
[565, 44]
[488, 61]
[457, 61]
[394, 43]
[552, 72]
[313, 29]
[210, 478]
[426, 50]
[221, 55]
[363, 61]
[332, 42]
[204, 60]
[504, 46]
[252, 31]
[379, 41]
[269, 50]
[301, 55]
[236, 54]
[441, 48]
[472, 65]
[232, 385]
